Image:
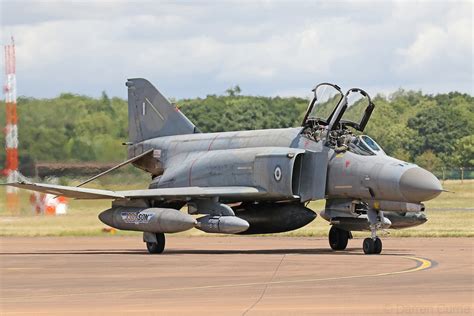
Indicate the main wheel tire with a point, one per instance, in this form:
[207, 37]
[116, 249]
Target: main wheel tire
[368, 246]
[338, 238]
[157, 247]
[377, 245]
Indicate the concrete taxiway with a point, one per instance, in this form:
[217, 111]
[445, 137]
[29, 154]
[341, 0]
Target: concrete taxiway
[235, 276]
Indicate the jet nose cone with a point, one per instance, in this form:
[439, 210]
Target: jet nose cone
[418, 185]
[107, 217]
[422, 218]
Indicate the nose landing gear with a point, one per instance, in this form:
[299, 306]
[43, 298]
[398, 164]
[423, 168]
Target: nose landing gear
[373, 245]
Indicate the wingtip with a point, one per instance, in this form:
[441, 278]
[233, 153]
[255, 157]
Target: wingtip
[9, 183]
[19, 182]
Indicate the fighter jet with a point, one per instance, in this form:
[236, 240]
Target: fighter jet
[260, 181]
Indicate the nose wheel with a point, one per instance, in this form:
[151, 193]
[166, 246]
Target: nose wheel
[372, 246]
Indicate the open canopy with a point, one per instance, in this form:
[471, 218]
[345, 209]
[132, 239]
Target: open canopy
[330, 107]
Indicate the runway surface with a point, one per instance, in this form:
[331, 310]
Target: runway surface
[235, 276]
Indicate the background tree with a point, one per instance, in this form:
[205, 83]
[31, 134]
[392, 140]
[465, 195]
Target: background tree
[428, 160]
[464, 151]
[432, 130]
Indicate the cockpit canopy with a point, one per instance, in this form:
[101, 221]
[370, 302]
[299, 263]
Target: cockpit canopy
[326, 98]
[330, 107]
[358, 109]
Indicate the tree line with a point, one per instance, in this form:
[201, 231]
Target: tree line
[433, 131]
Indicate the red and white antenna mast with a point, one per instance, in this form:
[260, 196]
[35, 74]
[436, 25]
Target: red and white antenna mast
[11, 129]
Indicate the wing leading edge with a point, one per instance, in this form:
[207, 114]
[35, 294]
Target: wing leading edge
[166, 193]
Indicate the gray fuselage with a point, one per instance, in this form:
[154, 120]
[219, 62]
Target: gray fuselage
[229, 159]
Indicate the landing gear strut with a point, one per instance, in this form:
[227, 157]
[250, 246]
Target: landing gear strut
[373, 245]
[338, 238]
[155, 243]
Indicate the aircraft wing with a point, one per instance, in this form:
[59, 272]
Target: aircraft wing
[163, 194]
[192, 192]
[70, 192]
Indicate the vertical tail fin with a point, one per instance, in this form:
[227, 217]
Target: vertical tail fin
[151, 115]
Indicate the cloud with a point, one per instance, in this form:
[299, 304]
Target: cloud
[444, 49]
[192, 49]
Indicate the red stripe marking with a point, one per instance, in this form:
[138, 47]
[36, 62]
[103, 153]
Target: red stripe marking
[191, 170]
[212, 142]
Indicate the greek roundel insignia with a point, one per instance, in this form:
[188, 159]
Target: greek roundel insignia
[277, 173]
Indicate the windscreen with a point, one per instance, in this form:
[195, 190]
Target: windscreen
[359, 147]
[327, 97]
[372, 144]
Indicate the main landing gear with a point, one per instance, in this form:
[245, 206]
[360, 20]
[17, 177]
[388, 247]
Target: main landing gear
[155, 242]
[338, 238]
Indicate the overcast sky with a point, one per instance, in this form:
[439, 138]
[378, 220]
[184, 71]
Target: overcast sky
[190, 49]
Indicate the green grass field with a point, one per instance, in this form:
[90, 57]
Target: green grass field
[445, 217]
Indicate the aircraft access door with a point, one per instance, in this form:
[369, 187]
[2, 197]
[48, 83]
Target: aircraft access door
[309, 175]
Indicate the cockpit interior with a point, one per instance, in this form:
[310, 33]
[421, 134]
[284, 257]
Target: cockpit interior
[339, 119]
